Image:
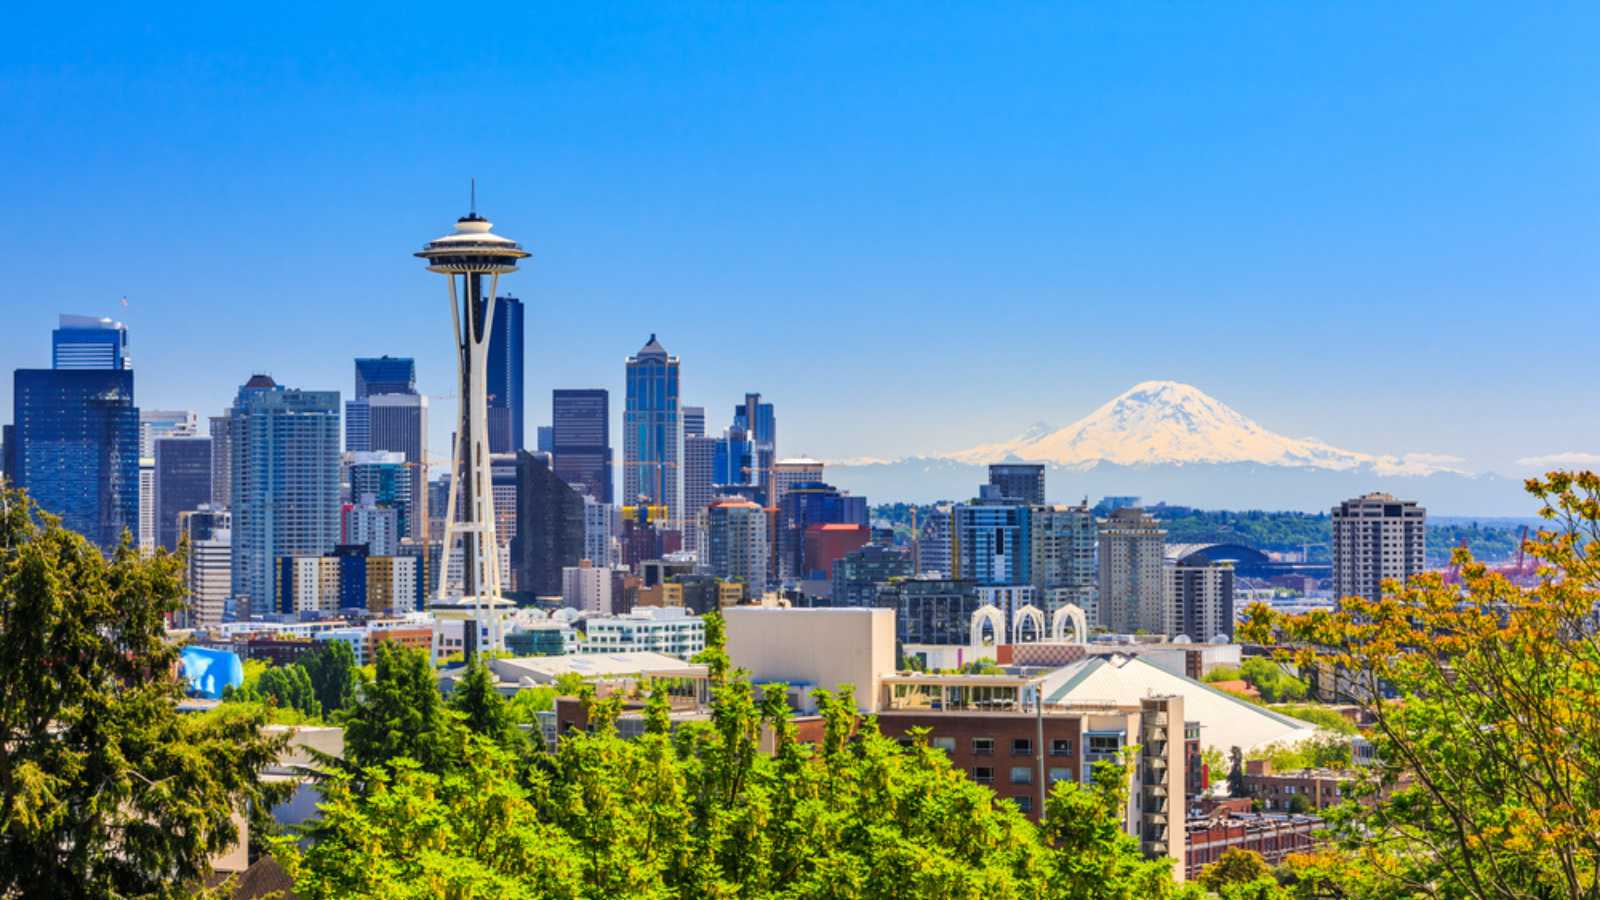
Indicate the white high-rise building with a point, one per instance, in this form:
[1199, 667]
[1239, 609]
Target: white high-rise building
[1199, 594]
[1133, 587]
[1375, 538]
[373, 524]
[599, 524]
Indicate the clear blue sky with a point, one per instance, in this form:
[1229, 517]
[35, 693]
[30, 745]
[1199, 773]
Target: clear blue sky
[913, 227]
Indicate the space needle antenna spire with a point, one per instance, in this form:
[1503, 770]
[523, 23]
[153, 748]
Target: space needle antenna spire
[472, 258]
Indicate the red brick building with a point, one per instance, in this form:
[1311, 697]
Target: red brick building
[1272, 836]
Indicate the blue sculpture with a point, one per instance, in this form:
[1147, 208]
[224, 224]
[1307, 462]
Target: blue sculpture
[210, 671]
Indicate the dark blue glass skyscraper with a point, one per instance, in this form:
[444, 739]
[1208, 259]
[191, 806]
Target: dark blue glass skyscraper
[581, 439]
[375, 376]
[88, 342]
[505, 377]
[77, 448]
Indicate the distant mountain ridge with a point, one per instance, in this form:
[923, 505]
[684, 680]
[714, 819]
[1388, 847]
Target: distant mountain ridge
[1165, 440]
[1171, 423]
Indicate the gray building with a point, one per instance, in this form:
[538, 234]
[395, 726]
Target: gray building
[930, 610]
[398, 423]
[221, 461]
[1375, 538]
[1063, 555]
[699, 463]
[736, 543]
[285, 483]
[1132, 572]
[858, 574]
[1019, 481]
[1199, 593]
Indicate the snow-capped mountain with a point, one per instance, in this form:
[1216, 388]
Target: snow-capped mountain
[1170, 423]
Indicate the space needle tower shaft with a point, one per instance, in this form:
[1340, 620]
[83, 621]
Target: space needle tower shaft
[472, 259]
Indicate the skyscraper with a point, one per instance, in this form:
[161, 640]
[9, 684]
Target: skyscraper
[550, 527]
[652, 439]
[398, 423]
[210, 564]
[786, 473]
[581, 440]
[1063, 556]
[1375, 538]
[1199, 594]
[991, 541]
[88, 342]
[699, 467]
[182, 483]
[375, 376]
[736, 538]
[76, 448]
[505, 376]
[760, 425]
[1019, 481]
[382, 477]
[1132, 572]
[153, 425]
[221, 462]
[285, 482]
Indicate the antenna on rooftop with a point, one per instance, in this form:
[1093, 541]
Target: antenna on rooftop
[474, 200]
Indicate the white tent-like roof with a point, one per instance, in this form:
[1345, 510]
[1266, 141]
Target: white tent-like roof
[1225, 720]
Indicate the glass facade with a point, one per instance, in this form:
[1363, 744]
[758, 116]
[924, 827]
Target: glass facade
[285, 472]
[505, 376]
[76, 450]
[805, 505]
[87, 342]
[652, 442]
[581, 439]
[182, 482]
[991, 542]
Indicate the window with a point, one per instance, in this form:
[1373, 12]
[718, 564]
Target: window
[1061, 747]
[1022, 774]
[1059, 773]
[1024, 802]
[1105, 743]
[947, 744]
[1021, 747]
[983, 775]
[983, 746]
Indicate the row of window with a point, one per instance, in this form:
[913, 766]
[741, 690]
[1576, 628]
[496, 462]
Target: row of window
[1021, 774]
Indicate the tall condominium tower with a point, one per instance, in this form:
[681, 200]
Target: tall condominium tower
[991, 541]
[375, 376]
[1019, 481]
[1132, 570]
[1199, 593]
[699, 467]
[153, 425]
[285, 492]
[581, 440]
[652, 433]
[1063, 556]
[76, 448]
[88, 342]
[1376, 537]
[505, 377]
[472, 258]
[736, 538]
[182, 483]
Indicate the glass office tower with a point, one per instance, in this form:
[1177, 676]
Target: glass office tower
[76, 449]
[652, 440]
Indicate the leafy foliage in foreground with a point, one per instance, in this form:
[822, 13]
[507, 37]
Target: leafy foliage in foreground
[445, 800]
[105, 788]
[1489, 784]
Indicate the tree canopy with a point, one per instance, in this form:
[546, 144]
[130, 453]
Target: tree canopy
[105, 788]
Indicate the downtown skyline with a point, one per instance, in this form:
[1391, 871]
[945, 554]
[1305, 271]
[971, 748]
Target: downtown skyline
[1246, 216]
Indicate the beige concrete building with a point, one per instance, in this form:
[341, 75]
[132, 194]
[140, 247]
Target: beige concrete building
[812, 648]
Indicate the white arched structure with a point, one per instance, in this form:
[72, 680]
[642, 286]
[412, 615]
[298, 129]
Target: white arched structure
[991, 614]
[1028, 613]
[1080, 624]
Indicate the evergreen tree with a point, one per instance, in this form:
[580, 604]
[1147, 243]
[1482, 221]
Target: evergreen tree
[333, 671]
[105, 789]
[399, 714]
[290, 687]
[477, 699]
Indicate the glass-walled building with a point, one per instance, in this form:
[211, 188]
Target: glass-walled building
[652, 441]
[76, 449]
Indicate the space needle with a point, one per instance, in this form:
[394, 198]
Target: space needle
[470, 257]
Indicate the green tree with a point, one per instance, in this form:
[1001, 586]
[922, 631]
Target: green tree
[399, 831]
[1488, 779]
[105, 789]
[1095, 858]
[290, 687]
[476, 698]
[399, 714]
[333, 672]
[1235, 867]
[1275, 685]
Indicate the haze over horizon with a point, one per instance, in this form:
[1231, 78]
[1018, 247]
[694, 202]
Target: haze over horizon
[913, 233]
